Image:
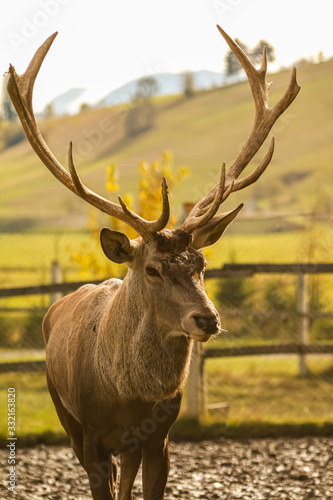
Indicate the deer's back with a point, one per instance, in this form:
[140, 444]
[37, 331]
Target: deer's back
[88, 302]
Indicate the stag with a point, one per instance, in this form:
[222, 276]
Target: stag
[118, 354]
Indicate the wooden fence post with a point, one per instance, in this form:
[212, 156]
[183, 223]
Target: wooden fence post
[195, 384]
[56, 277]
[303, 309]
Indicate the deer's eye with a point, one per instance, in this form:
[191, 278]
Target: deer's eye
[151, 271]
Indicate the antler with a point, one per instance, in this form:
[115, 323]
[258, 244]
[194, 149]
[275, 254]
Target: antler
[20, 89]
[265, 118]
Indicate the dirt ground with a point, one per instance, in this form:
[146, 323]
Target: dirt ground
[293, 469]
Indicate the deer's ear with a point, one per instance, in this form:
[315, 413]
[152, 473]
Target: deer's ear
[116, 246]
[209, 233]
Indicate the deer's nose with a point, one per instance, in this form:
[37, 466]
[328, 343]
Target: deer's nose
[208, 324]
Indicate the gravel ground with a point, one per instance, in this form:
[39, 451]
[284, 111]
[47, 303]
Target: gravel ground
[293, 469]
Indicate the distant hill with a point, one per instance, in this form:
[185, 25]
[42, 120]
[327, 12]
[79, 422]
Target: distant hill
[168, 84]
[60, 104]
[202, 133]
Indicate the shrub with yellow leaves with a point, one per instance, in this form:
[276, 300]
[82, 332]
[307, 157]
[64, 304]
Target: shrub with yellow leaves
[150, 185]
[147, 205]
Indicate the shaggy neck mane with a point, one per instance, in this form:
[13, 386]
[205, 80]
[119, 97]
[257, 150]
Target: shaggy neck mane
[135, 355]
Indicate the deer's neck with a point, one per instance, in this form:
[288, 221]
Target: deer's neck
[136, 356]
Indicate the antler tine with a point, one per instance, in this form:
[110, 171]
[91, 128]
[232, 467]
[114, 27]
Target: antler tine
[254, 176]
[199, 214]
[265, 118]
[26, 81]
[257, 78]
[20, 89]
[147, 227]
[165, 215]
[80, 188]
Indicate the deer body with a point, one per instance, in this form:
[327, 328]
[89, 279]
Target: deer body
[96, 381]
[108, 346]
[117, 354]
[116, 365]
[117, 361]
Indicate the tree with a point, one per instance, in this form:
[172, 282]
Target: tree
[188, 79]
[48, 111]
[84, 107]
[231, 63]
[7, 110]
[141, 115]
[147, 204]
[256, 53]
[11, 132]
[233, 66]
[146, 89]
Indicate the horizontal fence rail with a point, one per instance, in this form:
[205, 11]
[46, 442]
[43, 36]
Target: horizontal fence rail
[45, 289]
[227, 271]
[269, 349]
[245, 270]
[23, 366]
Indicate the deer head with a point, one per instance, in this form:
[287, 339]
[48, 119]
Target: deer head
[166, 264]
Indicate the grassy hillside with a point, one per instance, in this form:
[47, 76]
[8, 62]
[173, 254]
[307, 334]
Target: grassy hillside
[201, 132]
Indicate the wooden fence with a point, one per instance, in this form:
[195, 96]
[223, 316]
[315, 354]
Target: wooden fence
[196, 386]
[196, 390]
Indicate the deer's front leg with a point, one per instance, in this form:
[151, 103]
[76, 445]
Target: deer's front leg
[101, 470]
[155, 470]
[129, 465]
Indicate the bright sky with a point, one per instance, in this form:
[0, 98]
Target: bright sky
[103, 44]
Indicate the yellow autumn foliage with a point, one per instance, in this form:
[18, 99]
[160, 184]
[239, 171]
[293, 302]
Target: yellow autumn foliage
[147, 205]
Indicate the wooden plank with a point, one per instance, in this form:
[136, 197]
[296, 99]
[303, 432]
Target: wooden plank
[23, 309]
[228, 273]
[240, 313]
[195, 384]
[45, 289]
[56, 278]
[269, 350]
[23, 366]
[230, 270]
[303, 322]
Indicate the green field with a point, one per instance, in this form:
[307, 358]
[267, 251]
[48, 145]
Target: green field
[270, 390]
[26, 260]
[36, 251]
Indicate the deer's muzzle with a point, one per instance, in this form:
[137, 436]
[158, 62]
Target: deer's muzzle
[201, 327]
[208, 324]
